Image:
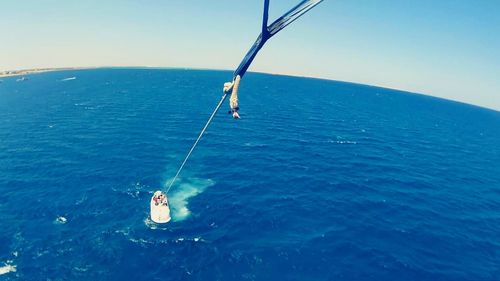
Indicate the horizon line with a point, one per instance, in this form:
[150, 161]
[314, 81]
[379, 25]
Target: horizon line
[37, 70]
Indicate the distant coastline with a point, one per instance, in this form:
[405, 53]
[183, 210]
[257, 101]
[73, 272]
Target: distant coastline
[9, 73]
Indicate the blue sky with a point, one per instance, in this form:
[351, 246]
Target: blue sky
[446, 48]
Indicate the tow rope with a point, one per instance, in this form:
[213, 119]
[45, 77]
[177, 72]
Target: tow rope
[198, 139]
[267, 32]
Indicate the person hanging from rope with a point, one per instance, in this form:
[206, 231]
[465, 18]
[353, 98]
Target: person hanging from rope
[268, 31]
[232, 87]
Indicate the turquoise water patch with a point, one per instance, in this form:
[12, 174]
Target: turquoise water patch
[182, 192]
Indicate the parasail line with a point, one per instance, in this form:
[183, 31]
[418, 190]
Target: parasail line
[268, 31]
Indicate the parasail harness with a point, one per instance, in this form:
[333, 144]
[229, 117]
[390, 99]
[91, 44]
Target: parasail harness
[268, 31]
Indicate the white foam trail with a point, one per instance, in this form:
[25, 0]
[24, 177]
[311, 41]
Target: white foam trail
[8, 267]
[61, 220]
[149, 223]
[69, 79]
[182, 192]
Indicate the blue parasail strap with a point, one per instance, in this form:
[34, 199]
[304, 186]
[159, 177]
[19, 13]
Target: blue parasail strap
[267, 32]
[272, 29]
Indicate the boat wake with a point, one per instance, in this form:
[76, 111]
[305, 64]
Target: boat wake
[68, 79]
[7, 267]
[182, 192]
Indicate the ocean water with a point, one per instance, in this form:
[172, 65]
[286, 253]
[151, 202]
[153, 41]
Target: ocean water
[319, 180]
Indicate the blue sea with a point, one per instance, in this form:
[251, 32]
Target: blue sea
[319, 180]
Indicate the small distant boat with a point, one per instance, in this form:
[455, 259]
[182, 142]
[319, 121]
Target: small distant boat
[21, 79]
[69, 78]
[160, 210]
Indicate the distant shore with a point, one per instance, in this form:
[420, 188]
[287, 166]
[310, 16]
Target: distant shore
[8, 73]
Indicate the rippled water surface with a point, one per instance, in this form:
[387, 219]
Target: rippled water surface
[319, 180]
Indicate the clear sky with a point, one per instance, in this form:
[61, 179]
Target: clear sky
[445, 48]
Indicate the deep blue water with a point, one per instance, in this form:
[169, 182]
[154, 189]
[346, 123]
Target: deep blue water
[319, 180]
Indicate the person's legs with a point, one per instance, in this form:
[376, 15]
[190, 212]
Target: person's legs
[233, 100]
